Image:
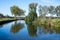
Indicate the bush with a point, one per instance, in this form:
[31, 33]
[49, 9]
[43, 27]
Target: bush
[57, 24]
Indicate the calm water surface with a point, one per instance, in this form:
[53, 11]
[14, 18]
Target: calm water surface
[19, 30]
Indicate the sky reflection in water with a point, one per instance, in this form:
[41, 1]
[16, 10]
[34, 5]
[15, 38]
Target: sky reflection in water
[19, 30]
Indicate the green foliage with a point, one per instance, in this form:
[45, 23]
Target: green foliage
[16, 27]
[51, 8]
[31, 17]
[57, 10]
[32, 29]
[57, 30]
[43, 10]
[16, 11]
[1, 15]
[32, 13]
[57, 24]
[33, 6]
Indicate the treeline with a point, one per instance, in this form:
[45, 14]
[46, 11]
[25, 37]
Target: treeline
[52, 10]
[32, 14]
[43, 11]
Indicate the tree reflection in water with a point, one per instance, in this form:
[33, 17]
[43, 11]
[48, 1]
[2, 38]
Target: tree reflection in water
[51, 30]
[32, 30]
[46, 29]
[57, 30]
[16, 27]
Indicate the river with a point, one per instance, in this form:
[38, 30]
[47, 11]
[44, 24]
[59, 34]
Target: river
[19, 30]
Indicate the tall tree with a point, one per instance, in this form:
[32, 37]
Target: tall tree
[33, 6]
[43, 11]
[16, 11]
[32, 9]
[51, 10]
[32, 12]
[57, 10]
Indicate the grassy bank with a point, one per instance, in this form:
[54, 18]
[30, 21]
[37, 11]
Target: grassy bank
[2, 19]
[47, 22]
[6, 20]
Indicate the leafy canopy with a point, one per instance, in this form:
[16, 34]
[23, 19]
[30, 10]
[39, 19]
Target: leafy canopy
[15, 10]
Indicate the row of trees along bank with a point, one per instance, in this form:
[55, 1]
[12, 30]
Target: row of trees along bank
[43, 11]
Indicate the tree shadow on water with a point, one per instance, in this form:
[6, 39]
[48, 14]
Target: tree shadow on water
[16, 27]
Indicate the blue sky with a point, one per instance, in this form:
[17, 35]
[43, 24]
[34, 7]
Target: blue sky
[23, 4]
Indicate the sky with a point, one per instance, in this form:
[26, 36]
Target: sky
[24, 4]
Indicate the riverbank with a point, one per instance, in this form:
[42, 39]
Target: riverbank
[6, 20]
[47, 22]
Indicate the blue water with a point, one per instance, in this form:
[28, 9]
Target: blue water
[9, 32]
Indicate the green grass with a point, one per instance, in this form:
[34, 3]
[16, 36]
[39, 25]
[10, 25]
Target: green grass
[2, 19]
[47, 22]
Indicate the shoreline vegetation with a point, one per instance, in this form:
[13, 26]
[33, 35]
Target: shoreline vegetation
[47, 22]
[7, 20]
[43, 20]
[32, 18]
